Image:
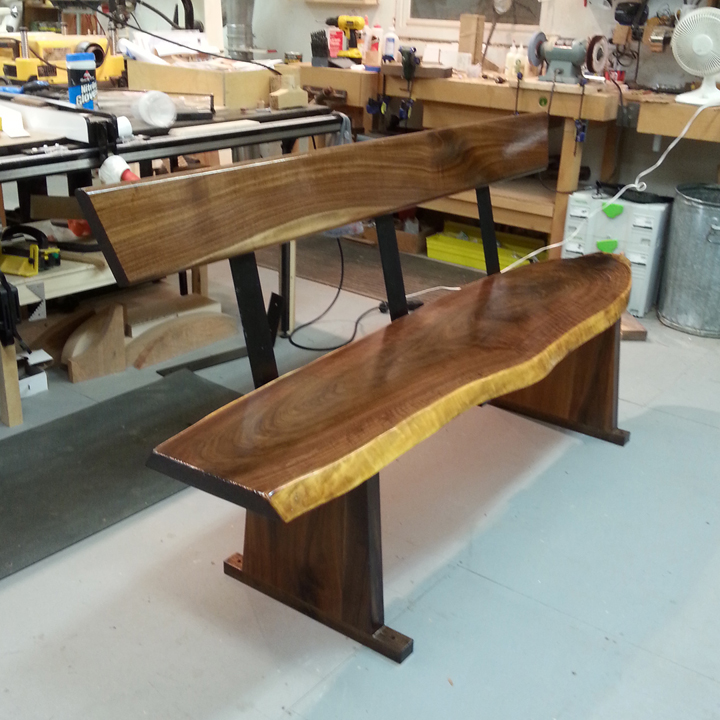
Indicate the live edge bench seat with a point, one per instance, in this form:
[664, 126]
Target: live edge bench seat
[314, 434]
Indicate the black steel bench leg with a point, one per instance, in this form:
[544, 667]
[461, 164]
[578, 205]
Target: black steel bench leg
[259, 338]
[392, 269]
[487, 228]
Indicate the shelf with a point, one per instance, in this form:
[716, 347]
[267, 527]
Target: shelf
[523, 203]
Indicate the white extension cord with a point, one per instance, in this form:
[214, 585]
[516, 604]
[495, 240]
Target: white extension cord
[638, 185]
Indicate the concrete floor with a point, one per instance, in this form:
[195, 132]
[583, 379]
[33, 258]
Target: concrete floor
[542, 574]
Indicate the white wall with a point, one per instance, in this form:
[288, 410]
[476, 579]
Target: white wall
[286, 25]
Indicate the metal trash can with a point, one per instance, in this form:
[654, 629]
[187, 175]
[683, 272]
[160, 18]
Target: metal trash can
[690, 289]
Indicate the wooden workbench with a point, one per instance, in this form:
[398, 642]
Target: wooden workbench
[451, 101]
[661, 115]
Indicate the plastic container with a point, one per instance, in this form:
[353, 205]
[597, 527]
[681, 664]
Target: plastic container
[156, 109]
[690, 287]
[336, 42]
[462, 245]
[372, 51]
[82, 85]
[391, 45]
[510, 61]
[363, 37]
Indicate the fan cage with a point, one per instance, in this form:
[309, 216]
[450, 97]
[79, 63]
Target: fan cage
[705, 21]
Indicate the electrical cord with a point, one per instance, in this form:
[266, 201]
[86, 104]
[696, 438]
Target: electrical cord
[291, 337]
[173, 42]
[541, 180]
[382, 307]
[433, 289]
[640, 185]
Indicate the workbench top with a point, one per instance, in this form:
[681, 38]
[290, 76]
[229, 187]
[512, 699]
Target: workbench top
[599, 103]
[660, 114]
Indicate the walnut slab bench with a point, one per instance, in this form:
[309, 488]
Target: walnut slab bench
[303, 451]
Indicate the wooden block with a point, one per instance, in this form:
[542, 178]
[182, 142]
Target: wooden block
[229, 89]
[10, 405]
[179, 336]
[472, 30]
[424, 71]
[200, 280]
[288, 98]
[97, 347]
[631, 328]
[141, 318]
[52, 333]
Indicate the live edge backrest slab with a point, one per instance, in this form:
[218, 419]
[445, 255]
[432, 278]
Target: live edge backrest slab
[155, 227]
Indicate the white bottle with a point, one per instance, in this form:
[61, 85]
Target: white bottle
[363, 38]
[519, 64]
[373, 49]
[391, 44]
[510, 62]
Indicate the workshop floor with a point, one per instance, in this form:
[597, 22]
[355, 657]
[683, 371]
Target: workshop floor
[542, 574]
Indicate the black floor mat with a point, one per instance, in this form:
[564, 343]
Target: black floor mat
[66, 480]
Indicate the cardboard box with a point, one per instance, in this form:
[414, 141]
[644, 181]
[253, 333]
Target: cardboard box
[231, 89]
[472, 32]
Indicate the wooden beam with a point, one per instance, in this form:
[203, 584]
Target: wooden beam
[373, 400]
[10, 404]
[209, 215]
[328, 565]
[567, 182]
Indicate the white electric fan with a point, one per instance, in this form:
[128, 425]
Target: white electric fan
[696, 46]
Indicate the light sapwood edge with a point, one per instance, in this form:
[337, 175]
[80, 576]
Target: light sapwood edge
[319, 487]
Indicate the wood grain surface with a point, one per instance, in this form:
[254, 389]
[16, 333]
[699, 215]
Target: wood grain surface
[10, 403]
[97, 347]
[581, 392]
[155, 227]
[316, 433]
[178, 336]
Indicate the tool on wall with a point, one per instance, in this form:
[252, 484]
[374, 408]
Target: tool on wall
[566, 57]
[351, 25]
[410, 61]
[320, 48]
[581, 125]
